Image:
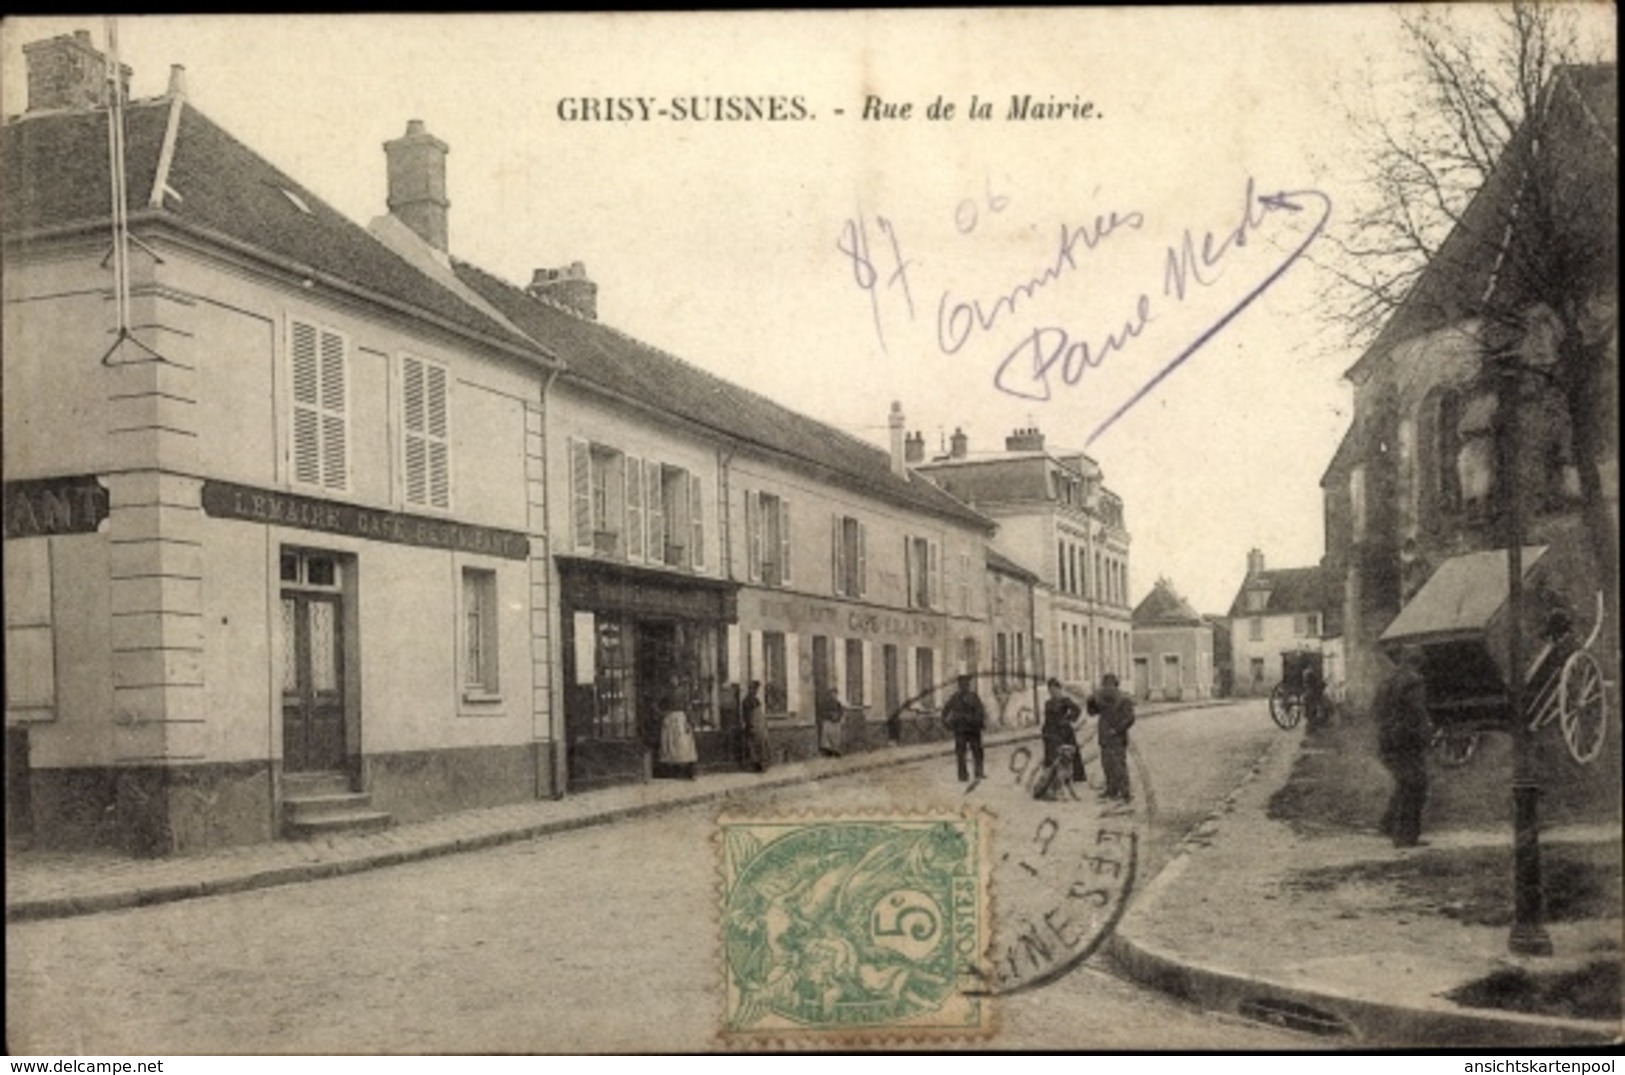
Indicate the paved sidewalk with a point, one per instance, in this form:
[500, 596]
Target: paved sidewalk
[1255, 919]
[46, 885]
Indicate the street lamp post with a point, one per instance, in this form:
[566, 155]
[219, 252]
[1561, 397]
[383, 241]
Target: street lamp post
[1529, 936]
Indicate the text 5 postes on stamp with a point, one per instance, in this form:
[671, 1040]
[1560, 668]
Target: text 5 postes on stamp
[855, 927]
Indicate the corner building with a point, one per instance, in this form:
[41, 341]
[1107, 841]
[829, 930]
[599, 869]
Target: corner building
[274, 508]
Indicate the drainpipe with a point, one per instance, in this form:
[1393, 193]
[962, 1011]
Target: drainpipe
[555, 656]
[1032, 635]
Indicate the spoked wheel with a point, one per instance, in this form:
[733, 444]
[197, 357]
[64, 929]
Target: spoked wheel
[1455, 747]
[1582, 706]
[1286, 706]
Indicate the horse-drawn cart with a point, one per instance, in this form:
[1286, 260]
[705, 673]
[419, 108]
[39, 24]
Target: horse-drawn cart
[1460, 622]
[1302, 690]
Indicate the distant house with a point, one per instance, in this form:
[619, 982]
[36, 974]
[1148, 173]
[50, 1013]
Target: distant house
[1275, 612]
[1173, 647]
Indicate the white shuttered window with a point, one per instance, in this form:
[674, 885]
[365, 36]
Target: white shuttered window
[425, 409]
[321, 423]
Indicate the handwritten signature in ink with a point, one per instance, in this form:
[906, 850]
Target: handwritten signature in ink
[1027, 371]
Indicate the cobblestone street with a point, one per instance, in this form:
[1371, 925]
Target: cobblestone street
[595, 940]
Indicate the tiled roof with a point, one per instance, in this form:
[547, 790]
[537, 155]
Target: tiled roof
[1581, 175]
[606, 359]
[1163, 607]
[997, 561]
[57, 176]
[1291, 589]
[1022, 477]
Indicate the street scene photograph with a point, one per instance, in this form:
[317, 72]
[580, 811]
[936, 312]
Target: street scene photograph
[993, 530]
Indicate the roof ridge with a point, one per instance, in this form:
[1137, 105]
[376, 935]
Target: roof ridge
[680, 360]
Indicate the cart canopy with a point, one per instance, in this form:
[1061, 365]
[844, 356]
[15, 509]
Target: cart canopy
[1462, 600]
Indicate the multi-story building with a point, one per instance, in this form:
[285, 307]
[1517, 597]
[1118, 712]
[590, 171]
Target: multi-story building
[759, 545]
[1057, 519]
[320, 513]
[1173, 647]
[273, 529]
[1275, 612]
[1417, 479]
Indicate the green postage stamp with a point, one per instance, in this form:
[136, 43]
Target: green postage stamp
[849, 927]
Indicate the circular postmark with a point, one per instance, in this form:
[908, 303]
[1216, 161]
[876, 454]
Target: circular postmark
[1064, 855]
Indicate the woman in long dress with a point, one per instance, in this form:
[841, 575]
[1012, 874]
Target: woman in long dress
[677, 748]
[829, 712]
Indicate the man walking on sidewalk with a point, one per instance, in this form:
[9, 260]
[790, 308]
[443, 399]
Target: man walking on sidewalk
[1402, 743]
[1116, 713]
[966, 716]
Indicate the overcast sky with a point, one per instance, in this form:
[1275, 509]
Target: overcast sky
[739, 244]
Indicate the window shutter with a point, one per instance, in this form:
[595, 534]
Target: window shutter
[908, 571]
[439, 430]
[581, 492]
[696, 520]
[426, 442]
[933, 575]
[305, 368]
[792, 672]
[784, 541]
[654, 510]
[634, 508]
[335, 420]
[863, 561]
[837, 558]
[753, 535]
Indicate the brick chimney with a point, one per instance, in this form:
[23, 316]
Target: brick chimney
[1025, 440]
[417, 183]
[914, 448]
[68, 72]
[958, 444]
[569, 287]
[899, 459]
[1255, 563]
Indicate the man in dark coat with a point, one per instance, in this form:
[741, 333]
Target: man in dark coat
[1116, 712]
[1403, 734]
[1061, 715]
[965, 715]
[758, 750]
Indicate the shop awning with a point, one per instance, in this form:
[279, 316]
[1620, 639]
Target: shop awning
[606, 586]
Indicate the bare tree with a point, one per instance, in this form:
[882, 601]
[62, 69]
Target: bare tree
[1499, 176]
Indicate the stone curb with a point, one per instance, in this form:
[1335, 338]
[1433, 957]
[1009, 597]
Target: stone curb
[1322, 1010]
[34, 910]
[1337, 1016]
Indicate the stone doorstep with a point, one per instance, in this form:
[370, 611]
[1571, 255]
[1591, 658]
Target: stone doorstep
[334, 822]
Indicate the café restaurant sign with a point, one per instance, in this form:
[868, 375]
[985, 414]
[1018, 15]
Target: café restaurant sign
[48, 506]
[225, 500]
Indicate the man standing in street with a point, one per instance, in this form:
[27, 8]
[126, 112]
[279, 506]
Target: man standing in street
[965, 715]
[1403, 734]
[1115, 711]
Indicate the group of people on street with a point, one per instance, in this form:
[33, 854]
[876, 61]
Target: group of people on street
[966, 717]
[964, 714]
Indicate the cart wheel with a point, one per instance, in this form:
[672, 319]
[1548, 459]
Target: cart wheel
[1582, 706]
[1455, 747]
[1286, 706]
